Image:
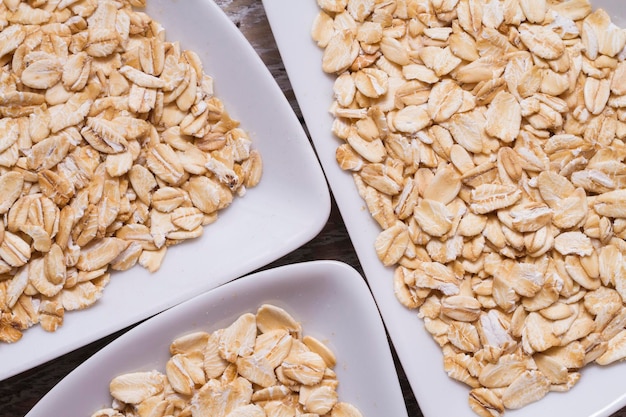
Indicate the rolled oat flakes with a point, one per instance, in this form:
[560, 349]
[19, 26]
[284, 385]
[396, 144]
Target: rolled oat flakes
[486, 138]
[113, 147]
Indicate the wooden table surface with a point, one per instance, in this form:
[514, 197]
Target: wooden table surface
[21, 392]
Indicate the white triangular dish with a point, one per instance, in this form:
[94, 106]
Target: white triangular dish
[330, 300]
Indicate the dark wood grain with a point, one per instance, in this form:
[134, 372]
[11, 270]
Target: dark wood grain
[21, 392]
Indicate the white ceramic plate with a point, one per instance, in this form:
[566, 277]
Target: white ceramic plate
[600, 391]
[329, 299]
[287, 209]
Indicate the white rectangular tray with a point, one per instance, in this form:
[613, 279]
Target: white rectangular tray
[600, 391]
[287, 209]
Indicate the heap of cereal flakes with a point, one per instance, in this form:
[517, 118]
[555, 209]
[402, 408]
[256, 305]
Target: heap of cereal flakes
[487, 140]
[261, 365]
[113, 147]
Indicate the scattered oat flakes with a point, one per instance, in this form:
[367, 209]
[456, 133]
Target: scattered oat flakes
[487, 140]
[113, 147]
[274, 371]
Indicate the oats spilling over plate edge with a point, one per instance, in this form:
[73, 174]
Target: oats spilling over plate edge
[486, 139]
[113, 147]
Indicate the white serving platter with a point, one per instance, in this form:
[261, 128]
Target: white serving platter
[287, 209]
[330, 299]
[599, 392]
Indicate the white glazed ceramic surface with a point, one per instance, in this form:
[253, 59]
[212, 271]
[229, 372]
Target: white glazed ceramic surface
[600, 390]
[330, 299]
[287, 209]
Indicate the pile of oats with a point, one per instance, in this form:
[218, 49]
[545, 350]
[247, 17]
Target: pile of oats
[261, 365]
[113, 147]
[486, 138]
